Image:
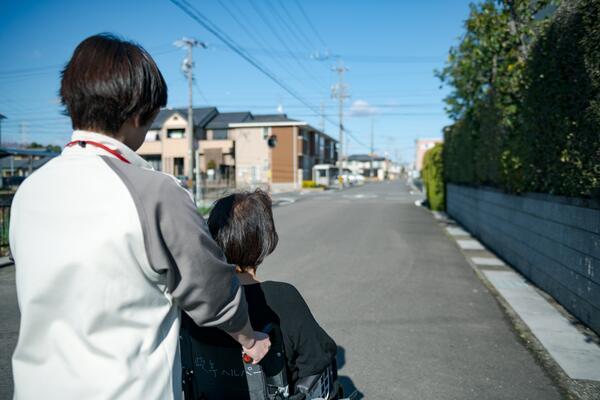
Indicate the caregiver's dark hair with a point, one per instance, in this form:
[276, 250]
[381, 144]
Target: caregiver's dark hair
[109, 80]
[242, 224]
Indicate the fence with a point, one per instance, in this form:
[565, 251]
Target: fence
[5, 202]
[553, 241]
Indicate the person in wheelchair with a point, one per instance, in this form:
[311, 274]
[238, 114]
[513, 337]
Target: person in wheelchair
[242, 224]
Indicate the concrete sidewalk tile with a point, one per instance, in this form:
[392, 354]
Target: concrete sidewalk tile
[470, 245]
[439, 215]
[456, 231]
[491, 261]
[579, 358]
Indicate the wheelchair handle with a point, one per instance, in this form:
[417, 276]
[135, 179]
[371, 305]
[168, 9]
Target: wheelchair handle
[266, 329]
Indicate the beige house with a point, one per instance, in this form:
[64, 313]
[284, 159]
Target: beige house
[239, 149]
[278, 152]
[421, 147]
[165, 146]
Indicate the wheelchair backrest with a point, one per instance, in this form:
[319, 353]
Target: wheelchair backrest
[218, 372]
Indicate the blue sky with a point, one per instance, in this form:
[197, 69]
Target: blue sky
[391, 48]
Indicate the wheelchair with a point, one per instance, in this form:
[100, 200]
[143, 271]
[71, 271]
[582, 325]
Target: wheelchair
[212, 372]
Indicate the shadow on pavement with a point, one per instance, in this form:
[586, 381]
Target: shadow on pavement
[350, 391]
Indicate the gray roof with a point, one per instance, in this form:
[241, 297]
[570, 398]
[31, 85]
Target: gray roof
[364, 158]
[23, 164]
[273, 118]
[222, 120]
[201, 115]
[5, 152]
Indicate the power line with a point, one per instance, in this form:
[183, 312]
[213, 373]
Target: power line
[311, 24]
[278, 36]
[297, 32]
[256, 36]
[208, 25]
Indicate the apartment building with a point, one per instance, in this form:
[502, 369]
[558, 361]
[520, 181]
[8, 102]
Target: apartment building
[239, 149]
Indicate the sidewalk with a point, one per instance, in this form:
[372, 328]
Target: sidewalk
[569, 351]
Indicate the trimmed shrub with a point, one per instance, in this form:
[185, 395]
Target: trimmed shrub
[433, 177]
[560, 115]
[310, 185]
[552, 144]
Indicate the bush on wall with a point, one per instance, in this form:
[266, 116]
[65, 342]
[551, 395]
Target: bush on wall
[433, 177]
[527, 112]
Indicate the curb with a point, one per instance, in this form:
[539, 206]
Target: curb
[5, 262]
[571, 389]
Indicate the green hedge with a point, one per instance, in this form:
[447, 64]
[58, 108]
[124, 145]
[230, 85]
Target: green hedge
[552, 144]
[433, 177]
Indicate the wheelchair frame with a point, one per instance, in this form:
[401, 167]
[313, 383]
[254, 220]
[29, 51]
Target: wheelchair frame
[213, 372]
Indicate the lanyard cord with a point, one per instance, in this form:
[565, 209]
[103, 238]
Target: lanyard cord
[83, 143]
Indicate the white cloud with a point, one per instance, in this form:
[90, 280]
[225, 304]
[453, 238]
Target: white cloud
[361, 108]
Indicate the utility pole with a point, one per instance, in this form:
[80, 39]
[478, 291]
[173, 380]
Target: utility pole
[340, 91]
[188, 69]
[23, 133]
[322, 116]
[372, 149]
[1, 118]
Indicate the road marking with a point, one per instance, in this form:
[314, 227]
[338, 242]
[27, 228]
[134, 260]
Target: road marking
[492, 261]
[360, 196]
[470, 245]
[456, 231]
[578, 357]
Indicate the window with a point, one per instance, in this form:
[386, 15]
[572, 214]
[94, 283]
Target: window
[155, 161]
[219, 134]
[178, 166]
[152, 136]
[178, 133]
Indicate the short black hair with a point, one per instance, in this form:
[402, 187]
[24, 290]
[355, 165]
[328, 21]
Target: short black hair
[109, 80]
[242, 224]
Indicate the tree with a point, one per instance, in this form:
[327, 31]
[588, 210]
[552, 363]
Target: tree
[486, 73]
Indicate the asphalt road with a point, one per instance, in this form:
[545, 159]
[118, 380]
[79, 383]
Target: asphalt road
[399, 298]
[410, 317]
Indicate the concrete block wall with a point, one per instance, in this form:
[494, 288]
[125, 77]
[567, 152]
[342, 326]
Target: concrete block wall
[553, 241]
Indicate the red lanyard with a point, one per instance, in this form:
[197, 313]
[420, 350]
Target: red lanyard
[83, 143]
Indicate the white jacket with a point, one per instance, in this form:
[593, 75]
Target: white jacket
[106, 252]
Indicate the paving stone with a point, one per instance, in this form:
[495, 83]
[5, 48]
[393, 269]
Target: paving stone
[470, 245]
[493, 261]
[579, 358]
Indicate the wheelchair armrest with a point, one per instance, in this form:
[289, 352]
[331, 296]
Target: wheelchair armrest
[305, 385]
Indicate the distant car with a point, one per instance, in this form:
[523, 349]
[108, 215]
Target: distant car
[183, 180]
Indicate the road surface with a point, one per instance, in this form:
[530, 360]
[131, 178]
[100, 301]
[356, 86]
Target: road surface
[410, 317]
[399, 298]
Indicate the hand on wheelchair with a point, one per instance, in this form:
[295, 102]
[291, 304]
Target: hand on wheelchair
[261, 347]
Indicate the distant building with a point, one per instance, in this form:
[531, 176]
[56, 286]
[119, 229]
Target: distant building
[422, 145]
[361, 164]
[298, 147]
[239, 149]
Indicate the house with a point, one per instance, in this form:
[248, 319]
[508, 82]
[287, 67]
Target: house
[217, 152]
[166, 147]
[279, 152]
[239, 149]
[16, 164]
[422, 145]
[367, 165]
